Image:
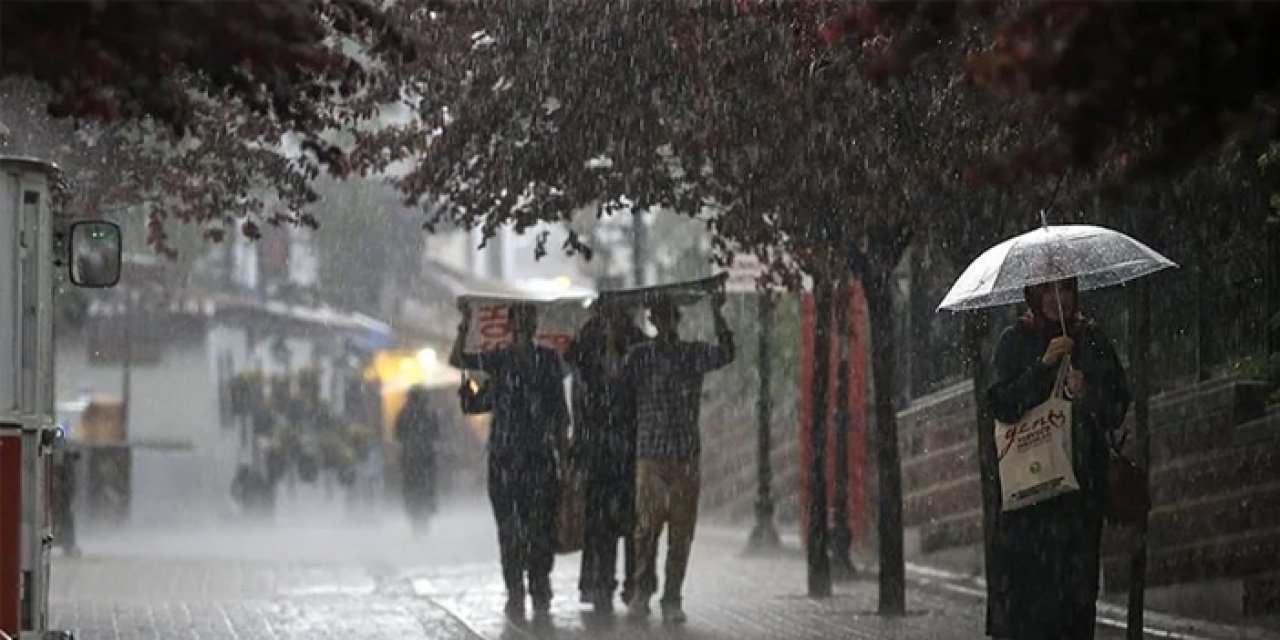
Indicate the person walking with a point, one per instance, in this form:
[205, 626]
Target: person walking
[666, 374]
[65, 459]
[1045, 570]
[529, 433]
[417, 430]
[604, 446]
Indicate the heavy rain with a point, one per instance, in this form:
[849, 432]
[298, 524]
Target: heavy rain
[742, 319]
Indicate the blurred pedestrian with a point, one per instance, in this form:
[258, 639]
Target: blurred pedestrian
[604, 447]
[528, 435]
[1044, 582]
[667, 375]
[417, 430]
[65, 459]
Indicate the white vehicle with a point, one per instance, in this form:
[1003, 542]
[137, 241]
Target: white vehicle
[36, 245]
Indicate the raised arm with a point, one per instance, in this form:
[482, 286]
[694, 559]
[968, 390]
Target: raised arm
[722, 353]
[458, 357]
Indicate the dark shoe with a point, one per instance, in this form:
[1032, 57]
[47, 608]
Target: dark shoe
[604, 603]
[541, 605]
[673, 613]
[638, 608]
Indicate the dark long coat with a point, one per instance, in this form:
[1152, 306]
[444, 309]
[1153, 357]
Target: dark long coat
[603, 407]
[1043, 581]
[418, 431]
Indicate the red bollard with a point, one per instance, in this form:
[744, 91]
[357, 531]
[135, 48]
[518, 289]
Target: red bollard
[10, 530]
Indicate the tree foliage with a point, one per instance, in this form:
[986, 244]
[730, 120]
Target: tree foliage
[557, 107]
[1132, 88]
[219, 113]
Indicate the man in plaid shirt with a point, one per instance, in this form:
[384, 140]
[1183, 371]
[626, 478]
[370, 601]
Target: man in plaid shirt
[666, 374]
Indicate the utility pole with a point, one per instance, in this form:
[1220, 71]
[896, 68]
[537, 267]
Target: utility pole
[639, 248]
[1140, 344]
[765, 536]
[841, 537]
[819, 559]
[126, 365]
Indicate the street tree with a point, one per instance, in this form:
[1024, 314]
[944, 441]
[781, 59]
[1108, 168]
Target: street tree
[220, 113]
[1132, 89]
[819, 172]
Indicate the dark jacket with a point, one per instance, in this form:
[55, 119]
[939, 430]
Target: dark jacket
[530, 415]
[1044, 573]
[603, 408]
[417, 428]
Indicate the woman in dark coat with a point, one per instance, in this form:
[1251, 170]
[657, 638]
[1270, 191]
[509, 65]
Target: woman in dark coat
[604, 439]
[1045, 570]
[418, 431]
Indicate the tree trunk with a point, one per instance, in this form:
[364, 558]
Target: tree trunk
[817, 549]
[765, 535]
[888, 462]
[841, 535]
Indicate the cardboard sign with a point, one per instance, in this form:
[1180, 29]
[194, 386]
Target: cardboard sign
[743, 274]
[558, 322]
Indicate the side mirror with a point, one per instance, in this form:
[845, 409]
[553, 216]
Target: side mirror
[95, 254]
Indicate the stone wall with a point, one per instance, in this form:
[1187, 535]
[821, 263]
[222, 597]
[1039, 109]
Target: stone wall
[1215, 524]
[1215, 484]
[1215, 492]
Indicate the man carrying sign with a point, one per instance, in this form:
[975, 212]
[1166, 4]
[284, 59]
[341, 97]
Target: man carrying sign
[666, 374]
[530, 431]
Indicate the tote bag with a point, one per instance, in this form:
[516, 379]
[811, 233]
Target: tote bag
[1035, 452]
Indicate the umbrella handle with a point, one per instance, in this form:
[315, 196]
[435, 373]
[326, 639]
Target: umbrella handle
[1060, 381]
[1062, 319]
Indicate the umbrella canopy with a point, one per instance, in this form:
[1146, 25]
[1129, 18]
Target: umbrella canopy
[1097, 256]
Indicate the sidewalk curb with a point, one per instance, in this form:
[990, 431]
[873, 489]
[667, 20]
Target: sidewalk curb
[1157, 625]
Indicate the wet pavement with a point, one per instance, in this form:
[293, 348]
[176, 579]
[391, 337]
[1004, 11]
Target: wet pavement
[317, 579]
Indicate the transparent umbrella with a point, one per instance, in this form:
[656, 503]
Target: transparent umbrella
[1097, 256]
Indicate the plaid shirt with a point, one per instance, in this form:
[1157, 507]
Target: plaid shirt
[667, 379]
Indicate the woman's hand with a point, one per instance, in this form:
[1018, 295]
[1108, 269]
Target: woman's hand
[1058, 347]
[1074, 384]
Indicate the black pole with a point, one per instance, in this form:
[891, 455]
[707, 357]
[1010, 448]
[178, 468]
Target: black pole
[1272, 282]
[765, 536]
[1140, 316]
[639, 248]
[977, 326]
[841, 537]
[126, 369]
[818, 559]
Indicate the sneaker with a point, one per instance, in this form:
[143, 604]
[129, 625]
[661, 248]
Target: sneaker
[639, 608]
[674, 614]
